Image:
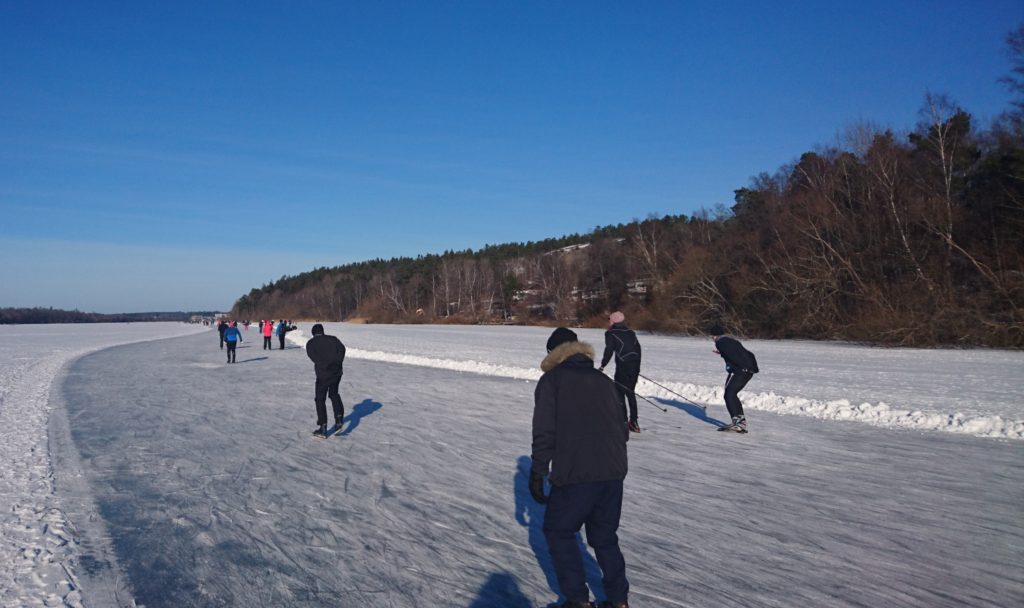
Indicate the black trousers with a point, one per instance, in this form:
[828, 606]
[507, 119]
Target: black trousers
[281, 338]
[328, 387]
[598, 506]
[222, 341]
[231, 350]
[626, 376]
[733, 385]
[267, 344]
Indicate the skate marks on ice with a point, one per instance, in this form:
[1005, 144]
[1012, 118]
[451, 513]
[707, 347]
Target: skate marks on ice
[37, 544]
[210, 497]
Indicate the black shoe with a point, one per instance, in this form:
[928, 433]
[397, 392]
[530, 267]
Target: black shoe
[338, 422]
[321, 431]
[607, 604]
[576, 605]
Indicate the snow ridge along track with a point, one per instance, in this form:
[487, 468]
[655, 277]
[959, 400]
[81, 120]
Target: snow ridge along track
[877, 414]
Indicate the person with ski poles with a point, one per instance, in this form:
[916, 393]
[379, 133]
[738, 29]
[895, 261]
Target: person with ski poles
[232, 337]
[579, 443]
[621, 341]
[328, 356]
[741, 365]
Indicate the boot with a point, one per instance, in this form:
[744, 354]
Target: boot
[321, 431]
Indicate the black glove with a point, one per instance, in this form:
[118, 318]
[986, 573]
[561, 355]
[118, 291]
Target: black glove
[537, 487]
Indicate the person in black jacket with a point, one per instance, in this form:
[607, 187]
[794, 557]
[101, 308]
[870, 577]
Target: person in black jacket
[579, 433]
[741, 365]
[221, 328]
[621, 341]
[328, 355]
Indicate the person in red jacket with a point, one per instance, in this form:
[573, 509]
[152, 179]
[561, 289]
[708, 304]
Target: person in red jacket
[268, 332]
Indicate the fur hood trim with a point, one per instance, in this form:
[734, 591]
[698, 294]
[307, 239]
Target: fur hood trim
[564, 351]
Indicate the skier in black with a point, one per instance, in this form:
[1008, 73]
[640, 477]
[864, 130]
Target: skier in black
[221, 328]
[578, 433]
[741, 366]
[327, 354]
[621, 341]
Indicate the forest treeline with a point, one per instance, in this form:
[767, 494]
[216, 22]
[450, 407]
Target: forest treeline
[913, 238]
[54, 315]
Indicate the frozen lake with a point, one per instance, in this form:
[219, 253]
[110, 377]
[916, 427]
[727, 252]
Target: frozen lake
[178, 480]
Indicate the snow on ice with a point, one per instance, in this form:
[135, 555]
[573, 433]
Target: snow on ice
[169, 478]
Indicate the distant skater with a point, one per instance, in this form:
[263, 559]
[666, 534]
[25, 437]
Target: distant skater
[282, 329]
[232, 337]
[578, 433]
[221, 328]
[267, 328]
[328, 355]
[621, 341]
[741, 365]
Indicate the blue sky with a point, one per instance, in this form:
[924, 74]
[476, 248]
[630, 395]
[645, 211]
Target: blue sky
[172, 156]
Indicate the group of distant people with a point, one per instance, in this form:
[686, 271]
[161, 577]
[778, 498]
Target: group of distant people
[231, 336]
[581, 423]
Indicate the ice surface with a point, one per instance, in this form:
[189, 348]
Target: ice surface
[212, 492]
[173, 479]
[35, 542]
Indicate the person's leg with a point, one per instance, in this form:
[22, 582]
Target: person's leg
[733, 386]
[336, 402]
[320, 398]
[601, 535]
[563, 518]
[623, 397]
[630, 374]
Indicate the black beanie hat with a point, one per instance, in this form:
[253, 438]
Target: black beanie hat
[716, 330]
[560, 336]
[318, 329]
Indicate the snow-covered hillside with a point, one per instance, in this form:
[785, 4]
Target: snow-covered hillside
[177, 480]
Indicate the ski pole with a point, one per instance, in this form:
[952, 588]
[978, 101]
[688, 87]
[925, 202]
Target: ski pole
[641, 396]
[703, 407]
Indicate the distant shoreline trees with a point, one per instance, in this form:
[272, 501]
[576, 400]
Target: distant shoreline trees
[38, 315]
[909, 239]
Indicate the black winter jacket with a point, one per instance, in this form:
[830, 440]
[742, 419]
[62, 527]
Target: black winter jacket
[327, 354]
[737, 358]
[577, 420]
[621, 341]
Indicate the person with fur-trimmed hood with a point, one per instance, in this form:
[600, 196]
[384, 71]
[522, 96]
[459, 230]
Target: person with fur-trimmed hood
[621, 341]
[579, 434]
[741, 365]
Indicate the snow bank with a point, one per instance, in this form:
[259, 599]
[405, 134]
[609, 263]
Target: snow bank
[877, 414]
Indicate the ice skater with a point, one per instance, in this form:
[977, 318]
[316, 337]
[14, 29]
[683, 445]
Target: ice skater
[232, 337]
[221, 328]
[282, 329]
[267, 328]
[578, 433]
[328, 355]
[741, 365]
[621, 341]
